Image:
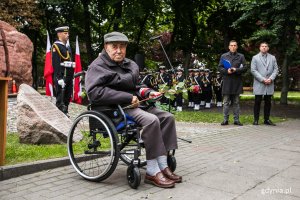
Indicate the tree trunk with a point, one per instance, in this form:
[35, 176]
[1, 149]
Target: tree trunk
[186, 61]
[141, 29]
[87, 30]
[285, 81]
[118, 15]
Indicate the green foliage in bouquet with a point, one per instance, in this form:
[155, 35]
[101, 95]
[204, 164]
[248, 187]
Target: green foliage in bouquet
[170, 92]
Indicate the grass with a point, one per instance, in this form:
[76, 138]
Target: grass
[292, 96]
[20, 153]
[213, 117]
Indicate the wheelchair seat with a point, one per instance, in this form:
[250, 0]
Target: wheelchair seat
[122, 125]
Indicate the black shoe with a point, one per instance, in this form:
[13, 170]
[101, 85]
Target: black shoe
[238, 123]
[255, 122]
[269, 122]
[224, 123]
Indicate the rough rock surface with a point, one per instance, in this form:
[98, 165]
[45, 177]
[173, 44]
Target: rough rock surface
[38, 120]
[20, 50]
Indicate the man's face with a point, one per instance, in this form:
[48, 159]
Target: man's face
[116, 50]
[63, 36]
[233, 47]
[264, 48]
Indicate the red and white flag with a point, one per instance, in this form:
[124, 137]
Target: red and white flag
[77, 81]
[48, 69]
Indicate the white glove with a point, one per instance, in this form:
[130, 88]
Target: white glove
[61, 82]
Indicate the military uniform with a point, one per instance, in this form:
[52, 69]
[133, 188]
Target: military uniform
[63, 72]
[217, 85]
[197, 90]
[147, 78]
[189, 82]
[203, 93]
[179, 98]
[207, 88]
[164, 78]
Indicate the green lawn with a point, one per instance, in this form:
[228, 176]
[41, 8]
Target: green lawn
[19, 153]
[292, 96]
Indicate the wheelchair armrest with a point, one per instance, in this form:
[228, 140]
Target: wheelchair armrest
[122, 113]
[117, 115]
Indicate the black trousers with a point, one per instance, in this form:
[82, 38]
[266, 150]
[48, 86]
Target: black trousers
[267, 106]
[179, 99]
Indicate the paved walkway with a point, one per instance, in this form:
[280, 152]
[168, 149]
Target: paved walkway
[237, 163]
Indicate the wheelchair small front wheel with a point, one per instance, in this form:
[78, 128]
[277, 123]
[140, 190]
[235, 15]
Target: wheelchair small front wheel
[133, 176]
[172, 164]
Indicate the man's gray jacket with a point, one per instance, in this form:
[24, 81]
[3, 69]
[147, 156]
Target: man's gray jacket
[262, 69]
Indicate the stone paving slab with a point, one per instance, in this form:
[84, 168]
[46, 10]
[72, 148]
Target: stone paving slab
[249, 162]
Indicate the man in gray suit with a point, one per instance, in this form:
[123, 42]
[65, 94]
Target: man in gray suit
[264, 69]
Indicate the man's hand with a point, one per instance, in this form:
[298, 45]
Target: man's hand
[61, 82]
[135, 102]
[231, 70]
[154, 96]
[267, 81]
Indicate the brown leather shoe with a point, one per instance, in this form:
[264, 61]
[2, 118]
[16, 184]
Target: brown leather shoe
[159, 180]
[170, 175]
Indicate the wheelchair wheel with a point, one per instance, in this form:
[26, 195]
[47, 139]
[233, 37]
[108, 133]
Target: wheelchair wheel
[172, 162]
[133, 176]
[93, 146]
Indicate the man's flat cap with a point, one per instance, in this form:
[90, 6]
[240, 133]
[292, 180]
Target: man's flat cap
[115, 37]
[62, 29]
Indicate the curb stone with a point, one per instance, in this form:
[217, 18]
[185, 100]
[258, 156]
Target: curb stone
[12, 171]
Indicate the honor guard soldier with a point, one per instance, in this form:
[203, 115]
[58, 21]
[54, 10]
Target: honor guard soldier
[207, 87]
[149, 80]
[197, 89]
[201, 77]
[179, 78]
[63, 69]
[217, 85]
[189, 82]
[164, 78]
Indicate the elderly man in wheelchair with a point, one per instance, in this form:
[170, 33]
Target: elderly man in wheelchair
[122, 115]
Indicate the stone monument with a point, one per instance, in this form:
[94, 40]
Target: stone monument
[39, 121]
[15, 55]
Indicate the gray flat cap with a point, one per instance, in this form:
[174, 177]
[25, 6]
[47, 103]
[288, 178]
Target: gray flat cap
[115, 37]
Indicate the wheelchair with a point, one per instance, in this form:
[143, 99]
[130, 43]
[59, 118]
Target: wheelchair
[100, 136]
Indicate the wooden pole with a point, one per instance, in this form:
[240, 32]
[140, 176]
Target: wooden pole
[3, 116]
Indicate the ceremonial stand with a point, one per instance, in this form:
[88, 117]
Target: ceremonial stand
[3, 116]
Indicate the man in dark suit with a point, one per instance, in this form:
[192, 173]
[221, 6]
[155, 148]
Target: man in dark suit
[264, 69]
[232, 65]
